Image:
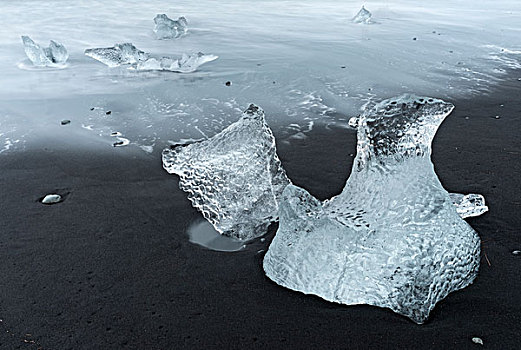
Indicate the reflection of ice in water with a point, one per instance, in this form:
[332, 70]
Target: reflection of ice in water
[203, 233]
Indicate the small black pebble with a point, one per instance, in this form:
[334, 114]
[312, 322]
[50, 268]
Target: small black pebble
[117, 143]
[65, 122]
[228, 83]
[92, 108]
[258, 64]
[273, 82]
[342, 66]
[413, 38]
[108, 112]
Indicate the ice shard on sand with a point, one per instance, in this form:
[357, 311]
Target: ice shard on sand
[54, 55]
[392, 238]
[234, 178]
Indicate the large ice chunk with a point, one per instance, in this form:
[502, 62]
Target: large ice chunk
[54, 55]
[392, 238]
[167, 28]
[119, 54]
[128, 54]
[363, 16]
[234, 178]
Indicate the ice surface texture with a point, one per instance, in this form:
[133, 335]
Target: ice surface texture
[234, 178]
[54, 55]
[167, 28]
[392, 237]
[128, 54]
[363, 16]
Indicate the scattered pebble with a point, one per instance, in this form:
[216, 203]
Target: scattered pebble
[477, 340]
[92, 108]
[516, 252]
[273, 82]
[342, 67]
[414, 38]
[51, 199]
[228, 83]
[65, 122]
[451, 51]
[108, 112]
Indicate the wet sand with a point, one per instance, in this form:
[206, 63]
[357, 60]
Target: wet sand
[111, 266]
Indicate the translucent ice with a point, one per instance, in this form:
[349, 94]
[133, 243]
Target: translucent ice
[128, 54]
[363, 16]
[186, 64]
[392, 238]
[469, 205]
[233, 178]
[167, 28]
[55, 54]
[119, 54]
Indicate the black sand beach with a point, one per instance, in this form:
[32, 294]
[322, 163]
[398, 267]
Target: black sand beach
[111, 267]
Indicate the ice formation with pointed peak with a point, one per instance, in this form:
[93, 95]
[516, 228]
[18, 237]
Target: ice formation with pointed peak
[363, 16]
[54, 55]
[128, 54]
[234, 178]
[469, 205]
[392, 238]
[167, 28]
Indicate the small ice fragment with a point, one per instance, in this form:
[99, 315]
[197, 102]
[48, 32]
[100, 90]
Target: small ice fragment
[51, 199]
[353, 122]
[167, 28]
[55, 54]
[263, 239]
[497, 117]
[477, 340]
[516, 252]
[58, 52]
[363, 16]
[233, 178]
[468, 205]
[392, 237]
[203, 234]
[119, 54]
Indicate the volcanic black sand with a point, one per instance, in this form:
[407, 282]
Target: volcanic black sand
[111, 266]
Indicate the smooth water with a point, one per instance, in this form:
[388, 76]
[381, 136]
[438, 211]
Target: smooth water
[303, 62]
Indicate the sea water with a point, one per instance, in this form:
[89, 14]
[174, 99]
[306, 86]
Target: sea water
[303, 62]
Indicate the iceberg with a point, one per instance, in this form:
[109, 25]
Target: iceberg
[392, 238]
[54, 55]
[128, 54]
[363, 16]
[167, 28]
[234, 178]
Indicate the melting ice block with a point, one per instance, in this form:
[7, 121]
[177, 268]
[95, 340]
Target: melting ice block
[234, 178]
[392, 238]
[128, 54]
[186, 64]
[54, 55]
[119, 54]
[167, 28]
[363, 16]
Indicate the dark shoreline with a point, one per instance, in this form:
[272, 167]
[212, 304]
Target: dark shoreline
[111, 267]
